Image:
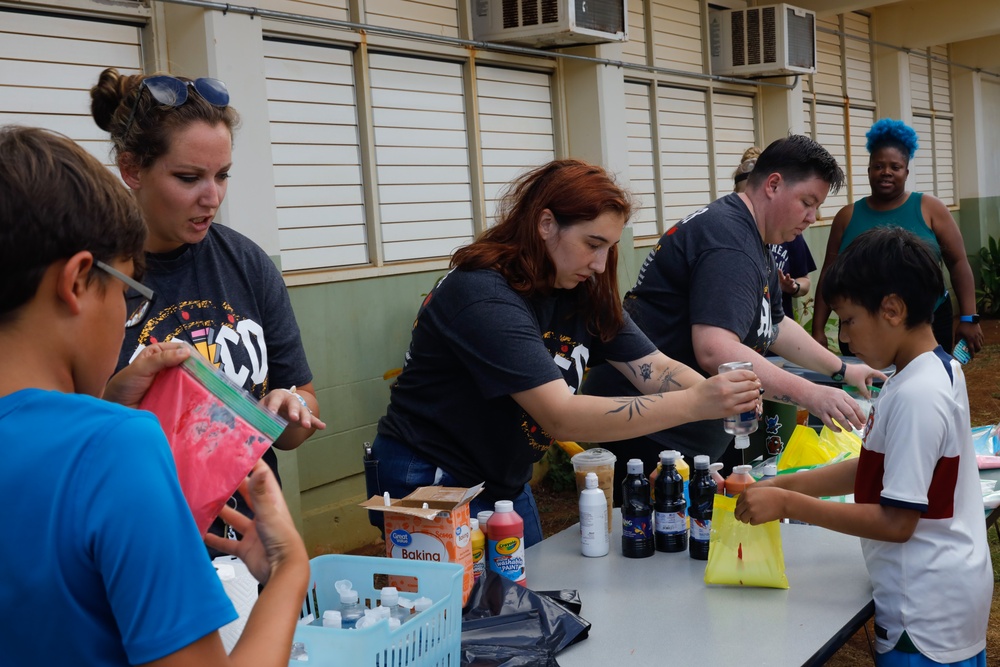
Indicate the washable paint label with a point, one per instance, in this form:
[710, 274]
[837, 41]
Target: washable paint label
[506, 557]
[417, 546]
[670, 523]
[701, 529]
[636, 528]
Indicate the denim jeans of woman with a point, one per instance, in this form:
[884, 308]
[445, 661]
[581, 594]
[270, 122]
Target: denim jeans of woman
[397, 469]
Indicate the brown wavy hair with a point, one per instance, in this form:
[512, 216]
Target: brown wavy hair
[112, 99]
[574, 191]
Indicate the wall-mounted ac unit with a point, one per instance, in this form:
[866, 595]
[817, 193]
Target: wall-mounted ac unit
[547, 23]
[762, 41]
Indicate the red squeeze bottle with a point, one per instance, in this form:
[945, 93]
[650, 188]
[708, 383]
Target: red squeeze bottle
[505, 552]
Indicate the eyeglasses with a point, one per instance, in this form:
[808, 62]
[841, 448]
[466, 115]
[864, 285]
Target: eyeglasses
[169, 91]
[144, 292]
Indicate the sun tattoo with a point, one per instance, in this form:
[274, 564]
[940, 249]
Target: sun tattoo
[634, 404]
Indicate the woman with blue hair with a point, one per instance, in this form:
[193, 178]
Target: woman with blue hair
[891, 145]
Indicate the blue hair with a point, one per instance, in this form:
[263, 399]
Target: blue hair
[889, 132]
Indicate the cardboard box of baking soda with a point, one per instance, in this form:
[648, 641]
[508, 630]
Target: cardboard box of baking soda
[432, 525]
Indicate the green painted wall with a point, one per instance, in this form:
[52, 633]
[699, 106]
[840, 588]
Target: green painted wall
[353, 332]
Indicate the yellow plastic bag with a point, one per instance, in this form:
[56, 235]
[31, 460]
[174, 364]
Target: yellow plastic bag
[743, 555]
[807, 449]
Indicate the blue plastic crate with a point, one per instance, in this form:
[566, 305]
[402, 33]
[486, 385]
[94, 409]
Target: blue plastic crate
[432, 638]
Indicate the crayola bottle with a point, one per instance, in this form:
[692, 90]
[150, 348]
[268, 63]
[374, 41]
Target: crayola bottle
[505, 554]
[478, 551]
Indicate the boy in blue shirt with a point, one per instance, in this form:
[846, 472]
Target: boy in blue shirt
[102, 562]
[917, 500]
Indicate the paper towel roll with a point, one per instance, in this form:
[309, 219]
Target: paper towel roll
[241, 588]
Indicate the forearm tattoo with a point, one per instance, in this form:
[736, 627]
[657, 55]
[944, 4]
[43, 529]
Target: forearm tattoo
[668, 380]
[635, 405]
[645, 371]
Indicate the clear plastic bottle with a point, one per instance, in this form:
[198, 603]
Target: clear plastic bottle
[703, 489]
[350, 606]
[637, 513]
[390, 602]
[594, 538]
[670, 518]
[745, 423]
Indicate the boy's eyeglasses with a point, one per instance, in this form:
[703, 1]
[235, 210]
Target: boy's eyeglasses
[169, 91]
[144, 292]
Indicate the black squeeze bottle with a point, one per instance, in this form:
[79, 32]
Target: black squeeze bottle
[702, 490]
[670, 517]
[637, 513]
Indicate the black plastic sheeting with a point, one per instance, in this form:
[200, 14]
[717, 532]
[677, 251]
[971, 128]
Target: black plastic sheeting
[507, 625]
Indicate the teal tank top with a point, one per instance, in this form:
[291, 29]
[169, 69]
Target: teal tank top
[908, 216]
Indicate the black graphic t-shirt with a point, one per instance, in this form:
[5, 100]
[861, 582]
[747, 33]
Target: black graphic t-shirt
[711, 268]
[474, 343]
[226, 297]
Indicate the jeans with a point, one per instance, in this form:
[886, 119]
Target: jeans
[397, 469]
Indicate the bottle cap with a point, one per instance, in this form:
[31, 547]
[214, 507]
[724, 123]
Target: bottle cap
[473, 525]
[422, 603]
[405, 603]
[742, 441]
[483, 517]
[503, 506]
[634, 466]
[390, 596]
[349, 597]
[668, 457]
[742, 470]
[715, 467]
[343, 585]
[701, 462]
[331, 619]
[770, 470]
[591, 480]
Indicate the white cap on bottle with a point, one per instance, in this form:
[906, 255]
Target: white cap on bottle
[742, 442]
[349, 597]
[473, 525]
[422, 603]
[668, 457]
[502, 506]
[742, 470]
[591, 480]
[390, 596]
[701, 462]
[483, 517]
[634, 466]
[770, 470]
[331, 619]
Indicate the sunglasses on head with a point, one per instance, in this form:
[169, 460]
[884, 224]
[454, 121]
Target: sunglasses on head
[169, 91]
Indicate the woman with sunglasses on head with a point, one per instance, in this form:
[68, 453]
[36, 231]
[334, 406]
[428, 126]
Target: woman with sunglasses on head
[213, 287]
[500, 345]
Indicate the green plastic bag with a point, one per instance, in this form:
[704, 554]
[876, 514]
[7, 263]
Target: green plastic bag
[743, 555]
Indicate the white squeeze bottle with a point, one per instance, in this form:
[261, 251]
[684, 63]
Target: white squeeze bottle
[594, 538]
[745, 423]
[350, 606]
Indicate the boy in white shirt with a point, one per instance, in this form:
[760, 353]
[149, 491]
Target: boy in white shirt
[918, 505]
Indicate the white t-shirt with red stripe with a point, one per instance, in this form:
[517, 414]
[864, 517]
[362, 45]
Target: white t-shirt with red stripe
[918, 454]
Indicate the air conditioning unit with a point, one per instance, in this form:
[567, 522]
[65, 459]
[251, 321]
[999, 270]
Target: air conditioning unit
[761, 41]
[547, 23]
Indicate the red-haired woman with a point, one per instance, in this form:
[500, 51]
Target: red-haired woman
[500, 345]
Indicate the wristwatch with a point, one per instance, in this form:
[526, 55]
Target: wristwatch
[974, 318]
[839, 375]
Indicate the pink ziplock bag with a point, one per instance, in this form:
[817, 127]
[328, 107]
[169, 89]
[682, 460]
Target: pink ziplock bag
[216, 432]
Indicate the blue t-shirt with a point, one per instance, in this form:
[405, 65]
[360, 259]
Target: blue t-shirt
[101, 560]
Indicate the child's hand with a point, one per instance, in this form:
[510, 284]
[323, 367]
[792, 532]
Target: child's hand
[269, 539]
[760, 503]
[293, 406]
[130, 384]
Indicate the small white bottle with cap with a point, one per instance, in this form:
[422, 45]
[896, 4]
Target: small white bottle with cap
[390, 602]
[350, 606]
[331, 619]
[594, 539]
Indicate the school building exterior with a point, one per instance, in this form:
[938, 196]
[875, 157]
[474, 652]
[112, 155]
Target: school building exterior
[377, 135]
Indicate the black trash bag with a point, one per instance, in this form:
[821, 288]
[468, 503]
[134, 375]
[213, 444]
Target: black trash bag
[507, 625]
